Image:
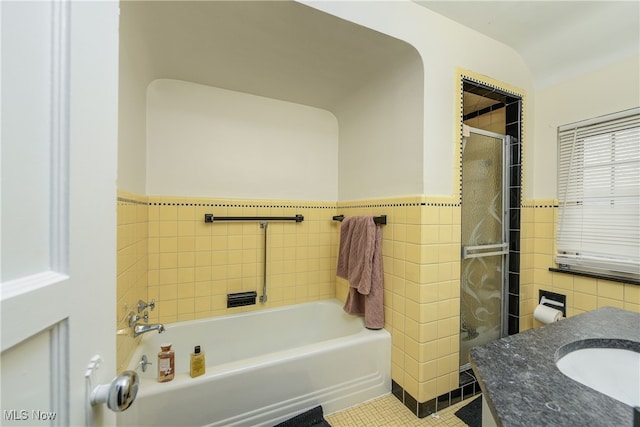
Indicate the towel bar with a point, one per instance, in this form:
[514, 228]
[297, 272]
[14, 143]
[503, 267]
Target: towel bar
[382, 219]
[211, 218]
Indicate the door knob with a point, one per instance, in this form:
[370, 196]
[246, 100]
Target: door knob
[118, 395]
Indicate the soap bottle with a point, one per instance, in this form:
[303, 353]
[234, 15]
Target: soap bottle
[197, 362]
[166, 363]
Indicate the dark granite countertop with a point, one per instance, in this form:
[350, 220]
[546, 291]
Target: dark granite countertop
[523, 386]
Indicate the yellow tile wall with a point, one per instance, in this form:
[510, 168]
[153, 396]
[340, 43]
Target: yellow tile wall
[539, 226]
[193, 265]
[421, 261]
[132, 268]
[167, 252]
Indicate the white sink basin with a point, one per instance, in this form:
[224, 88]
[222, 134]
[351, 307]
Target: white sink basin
[611, 371]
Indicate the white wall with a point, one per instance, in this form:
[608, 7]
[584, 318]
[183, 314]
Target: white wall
[380, 122]
[136, 71]
[444, 45]
[608, 90]
[378, 157]
[381, 134]
[206, 141]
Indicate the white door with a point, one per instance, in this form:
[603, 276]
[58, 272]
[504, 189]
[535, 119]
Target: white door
[58, 168]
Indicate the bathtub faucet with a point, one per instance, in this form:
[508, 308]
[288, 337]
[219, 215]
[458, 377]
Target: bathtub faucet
[141, 329]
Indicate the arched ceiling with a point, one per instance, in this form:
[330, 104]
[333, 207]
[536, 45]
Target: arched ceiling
[278, 49]
[289, 51]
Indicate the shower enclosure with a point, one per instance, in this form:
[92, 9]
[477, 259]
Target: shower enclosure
[485, 245]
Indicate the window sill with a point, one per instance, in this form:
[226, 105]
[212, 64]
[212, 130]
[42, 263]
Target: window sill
[597, 276]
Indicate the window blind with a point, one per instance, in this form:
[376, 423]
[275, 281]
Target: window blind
[599, 194]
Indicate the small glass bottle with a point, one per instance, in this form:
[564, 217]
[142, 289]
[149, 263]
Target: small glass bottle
[166, 363]
[197, 362]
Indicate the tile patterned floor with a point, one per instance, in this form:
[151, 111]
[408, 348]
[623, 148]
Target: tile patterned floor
[388, 411]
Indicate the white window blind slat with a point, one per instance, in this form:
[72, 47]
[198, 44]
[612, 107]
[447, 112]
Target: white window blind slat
[599, 194]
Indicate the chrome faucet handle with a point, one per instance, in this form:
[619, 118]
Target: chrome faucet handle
[133, 318]
[142, 305]
[144, 361]
[145, 317]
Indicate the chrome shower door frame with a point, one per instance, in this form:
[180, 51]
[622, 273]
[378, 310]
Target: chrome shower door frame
[498, 248]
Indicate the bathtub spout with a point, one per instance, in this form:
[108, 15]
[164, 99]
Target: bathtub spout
[141, 329]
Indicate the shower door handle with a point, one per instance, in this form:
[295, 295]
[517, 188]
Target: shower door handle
[484, 250]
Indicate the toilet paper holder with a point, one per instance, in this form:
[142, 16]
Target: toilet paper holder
[554, 300]
[544, 300]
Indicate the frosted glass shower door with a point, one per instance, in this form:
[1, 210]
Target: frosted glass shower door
[484, 240]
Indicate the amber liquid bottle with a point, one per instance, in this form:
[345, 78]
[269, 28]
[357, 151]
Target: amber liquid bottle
[197, 362]
[166, 363]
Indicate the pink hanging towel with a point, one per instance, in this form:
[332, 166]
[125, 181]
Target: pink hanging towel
[360, 262]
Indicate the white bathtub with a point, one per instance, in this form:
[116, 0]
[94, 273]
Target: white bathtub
[263, 367]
